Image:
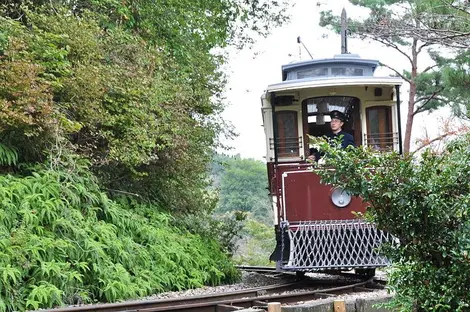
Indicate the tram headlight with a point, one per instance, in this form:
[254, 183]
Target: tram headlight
[340, 197]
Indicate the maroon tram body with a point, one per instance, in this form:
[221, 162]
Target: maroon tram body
[298, 186]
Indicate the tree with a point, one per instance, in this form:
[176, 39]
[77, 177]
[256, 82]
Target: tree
[423, 202]
[243, 187]
[129, 92]
[412, 28]
[133, 86]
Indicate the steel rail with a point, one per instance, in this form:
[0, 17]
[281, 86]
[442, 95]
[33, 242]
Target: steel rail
[255, 267]
[139, 305]
[258, 269]
[226, 301]
[233, 305]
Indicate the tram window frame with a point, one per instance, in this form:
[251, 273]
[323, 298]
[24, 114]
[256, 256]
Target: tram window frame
[284, 146]
[383, 136]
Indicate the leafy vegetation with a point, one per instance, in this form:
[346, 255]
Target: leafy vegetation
[256, 243]
[424, 203]
[135, 87]
[64, 241]
[242, 185]
[109, 115]
[245, 207]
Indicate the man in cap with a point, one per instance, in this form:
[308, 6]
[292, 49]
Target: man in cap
[336, 125]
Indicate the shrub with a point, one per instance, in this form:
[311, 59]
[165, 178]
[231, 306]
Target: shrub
[424, 202]
[63, 242]
[256, 244]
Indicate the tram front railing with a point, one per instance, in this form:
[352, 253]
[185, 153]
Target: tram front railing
[385, 141]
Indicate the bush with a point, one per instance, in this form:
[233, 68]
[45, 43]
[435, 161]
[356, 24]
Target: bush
[424, 202]
[256, 244]
[64, 242]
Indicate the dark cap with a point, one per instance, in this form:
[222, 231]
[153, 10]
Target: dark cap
[338, 115]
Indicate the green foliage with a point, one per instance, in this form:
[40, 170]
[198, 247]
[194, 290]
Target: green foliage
[423, 202]
[256, 244]
[244, 208]
[224, 228]
[243, 187]
[136, 87]
[131, 91]
[457, 74]
[399, 31]
[8, 155]
[110, 95]
[63, 242]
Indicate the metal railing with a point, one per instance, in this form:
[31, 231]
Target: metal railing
[288, 146]
[385, 141]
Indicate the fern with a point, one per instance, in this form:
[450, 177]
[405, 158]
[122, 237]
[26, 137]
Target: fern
[45, 294]
[67, 243]
[9, 274]
[8, 155]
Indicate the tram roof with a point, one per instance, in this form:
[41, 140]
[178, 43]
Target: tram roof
[340, 81]
[337, 59]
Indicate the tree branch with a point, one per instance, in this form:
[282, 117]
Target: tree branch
[442, 136]
[122, 192]
[428, 99]
[429, 68]
[397, 72]
[392, 45]
[426, 44]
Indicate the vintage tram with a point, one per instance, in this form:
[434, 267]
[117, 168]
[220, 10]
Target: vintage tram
[315, 224]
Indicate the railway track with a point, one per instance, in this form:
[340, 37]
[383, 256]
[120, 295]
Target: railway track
[302, 290]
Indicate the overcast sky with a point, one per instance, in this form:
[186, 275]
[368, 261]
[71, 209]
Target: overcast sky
[252, 70]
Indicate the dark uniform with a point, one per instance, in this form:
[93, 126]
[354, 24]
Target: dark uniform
[346, 140]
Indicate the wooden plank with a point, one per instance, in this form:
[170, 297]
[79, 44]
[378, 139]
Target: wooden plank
[274, 307]
[339, 306]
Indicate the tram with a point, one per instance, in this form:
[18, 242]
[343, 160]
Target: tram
[315, 224]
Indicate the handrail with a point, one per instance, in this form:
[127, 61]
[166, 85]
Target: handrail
[383, 141]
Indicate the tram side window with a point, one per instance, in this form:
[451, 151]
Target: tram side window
[380, 135]
[347, 71]
[287, 134]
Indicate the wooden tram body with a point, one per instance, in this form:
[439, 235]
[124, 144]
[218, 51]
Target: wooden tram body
[315, 226]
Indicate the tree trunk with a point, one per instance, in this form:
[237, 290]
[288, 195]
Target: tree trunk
[411, 97]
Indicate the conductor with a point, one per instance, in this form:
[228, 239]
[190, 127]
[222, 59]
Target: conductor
[336, 125]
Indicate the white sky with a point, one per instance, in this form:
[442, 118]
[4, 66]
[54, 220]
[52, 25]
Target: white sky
[252, 70]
